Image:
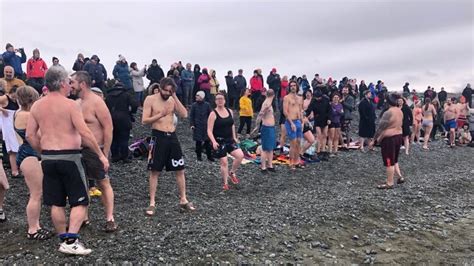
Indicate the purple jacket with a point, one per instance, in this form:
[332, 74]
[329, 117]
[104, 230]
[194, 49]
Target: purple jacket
[336, 113]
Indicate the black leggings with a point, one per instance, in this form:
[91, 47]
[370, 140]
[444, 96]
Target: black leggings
[245, 120]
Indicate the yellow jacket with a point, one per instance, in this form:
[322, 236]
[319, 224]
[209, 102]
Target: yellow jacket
[214, 84]
[245, 104]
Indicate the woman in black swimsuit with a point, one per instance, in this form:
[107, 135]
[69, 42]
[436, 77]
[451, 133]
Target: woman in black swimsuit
[28, 161]
[221, 132]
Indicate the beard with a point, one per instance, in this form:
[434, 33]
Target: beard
[164, 97]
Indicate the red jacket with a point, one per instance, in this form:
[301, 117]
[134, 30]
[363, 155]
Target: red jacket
[256, 84]
[36, 68]
[284, 88]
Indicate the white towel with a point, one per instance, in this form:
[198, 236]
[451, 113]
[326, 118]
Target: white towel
[8, 131]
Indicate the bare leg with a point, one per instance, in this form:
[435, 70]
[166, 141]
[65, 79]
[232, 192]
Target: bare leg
[320, 139]
[452, 134]
[34, 180]
[181, 181]
[263, 159]
[282, 135]
[12, 157]
[297, 150]
[293, 152]
[224, 169]
[107, 198]
[407, 145]
[426, 138]
[309, 137]
[153, 185]
[337, 133]
[238, 157]
[331, 138]
[58, 216]
[397, 170]
[76, 218]
[270, 159]
[4, 186]
[390, 172]
[361, 142]
[324, 138]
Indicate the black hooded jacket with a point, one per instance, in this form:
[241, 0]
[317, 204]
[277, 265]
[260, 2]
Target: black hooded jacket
[121, 105]
[155, 74]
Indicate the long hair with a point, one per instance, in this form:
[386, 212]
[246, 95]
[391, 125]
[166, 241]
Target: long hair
[427, 103]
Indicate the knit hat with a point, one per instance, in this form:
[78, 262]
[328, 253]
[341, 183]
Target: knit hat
[122, 58]
[201, 94]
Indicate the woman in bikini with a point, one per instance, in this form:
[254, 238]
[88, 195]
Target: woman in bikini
[417, 117]
[429, 113]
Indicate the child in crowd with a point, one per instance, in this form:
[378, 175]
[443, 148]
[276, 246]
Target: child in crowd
[246, 112]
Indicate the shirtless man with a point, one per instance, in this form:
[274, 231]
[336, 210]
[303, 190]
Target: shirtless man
[62, 126]
[99, 121]
[293, 108]
[158, 110]
[450, 115]
[389, 135]
[268, 133]
[463, 111]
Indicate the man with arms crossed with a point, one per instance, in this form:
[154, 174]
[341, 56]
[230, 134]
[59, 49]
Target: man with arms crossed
[62, 127]
[292, 108]
[158, 110]
[98, 119]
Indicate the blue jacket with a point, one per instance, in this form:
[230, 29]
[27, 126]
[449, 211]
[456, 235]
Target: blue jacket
[122, 72]
[13, 60]
[187, 77]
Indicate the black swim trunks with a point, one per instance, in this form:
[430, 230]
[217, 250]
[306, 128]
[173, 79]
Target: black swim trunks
[64, 177]
[391, 149]
[165, 151]
[93, 167]
[226, 146]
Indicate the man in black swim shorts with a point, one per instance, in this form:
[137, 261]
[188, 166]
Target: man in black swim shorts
[62, 131]
[165, 150]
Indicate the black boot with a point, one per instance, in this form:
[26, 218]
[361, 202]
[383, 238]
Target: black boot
[198, 156]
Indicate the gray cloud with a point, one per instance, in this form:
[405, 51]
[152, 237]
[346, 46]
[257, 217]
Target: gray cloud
[394, 41]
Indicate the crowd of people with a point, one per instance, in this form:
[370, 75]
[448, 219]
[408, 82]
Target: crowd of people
[60, 130]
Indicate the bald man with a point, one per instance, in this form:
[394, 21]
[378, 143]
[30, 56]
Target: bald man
[9, 77]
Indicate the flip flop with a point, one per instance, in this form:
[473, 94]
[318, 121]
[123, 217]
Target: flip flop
[150, 211]
[187, 207]
[385, 186]
[401, 180]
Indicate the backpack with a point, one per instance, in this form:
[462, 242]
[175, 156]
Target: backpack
[139, 147]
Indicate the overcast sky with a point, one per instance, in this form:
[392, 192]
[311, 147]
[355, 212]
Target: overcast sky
[423, 42]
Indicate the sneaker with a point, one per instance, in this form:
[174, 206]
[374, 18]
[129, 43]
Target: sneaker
[3, 217]
[110, 226]
[95, 192]
[225, 187]
[402, 147]
[233, 178]
[76, 248]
